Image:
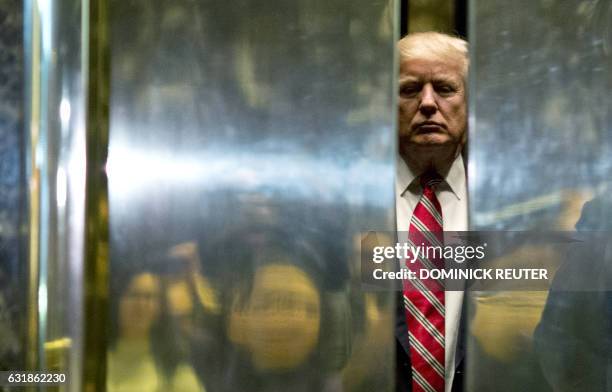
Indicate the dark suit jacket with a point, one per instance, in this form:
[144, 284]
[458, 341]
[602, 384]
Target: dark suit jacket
[403, 373]
[574, 338]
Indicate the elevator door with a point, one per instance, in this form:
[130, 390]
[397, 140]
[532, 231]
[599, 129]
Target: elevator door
[540, 142]
[249, 144]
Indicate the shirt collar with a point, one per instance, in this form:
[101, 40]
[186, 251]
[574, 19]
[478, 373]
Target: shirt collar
[455, 180]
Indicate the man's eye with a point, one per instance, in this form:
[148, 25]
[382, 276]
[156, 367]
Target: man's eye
[409, 90]
[445, 89]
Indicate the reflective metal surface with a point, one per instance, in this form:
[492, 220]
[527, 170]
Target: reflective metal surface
[249, 145]
[539, 149]
[432, 15]
[55, 126]
[13, 192]
[540, 123]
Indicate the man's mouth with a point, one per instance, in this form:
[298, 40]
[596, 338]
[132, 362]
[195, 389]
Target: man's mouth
[429, 127]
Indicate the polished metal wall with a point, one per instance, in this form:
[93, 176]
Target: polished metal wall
[55, 72]
[540, 140]
[250, 143]
[13, 192]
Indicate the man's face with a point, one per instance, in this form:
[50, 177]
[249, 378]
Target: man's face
[432, 108]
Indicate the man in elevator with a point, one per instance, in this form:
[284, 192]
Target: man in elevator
[431, 196]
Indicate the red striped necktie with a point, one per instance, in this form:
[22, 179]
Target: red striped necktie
[424, 299]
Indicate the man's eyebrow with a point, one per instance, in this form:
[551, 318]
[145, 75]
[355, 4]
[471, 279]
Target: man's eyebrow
[446, 78]
[408, 79]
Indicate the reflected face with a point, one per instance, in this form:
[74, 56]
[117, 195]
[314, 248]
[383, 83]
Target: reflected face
[432, 104]
[280, 326]
[139, 306]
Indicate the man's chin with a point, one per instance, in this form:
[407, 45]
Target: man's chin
[433, 140]
[428, 145]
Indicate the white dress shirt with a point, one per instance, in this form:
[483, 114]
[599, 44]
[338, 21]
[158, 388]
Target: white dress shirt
[452, 194]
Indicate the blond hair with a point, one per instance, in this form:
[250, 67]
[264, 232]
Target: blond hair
[435, 46]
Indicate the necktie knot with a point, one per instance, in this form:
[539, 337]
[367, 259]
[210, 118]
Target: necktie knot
[430, 180]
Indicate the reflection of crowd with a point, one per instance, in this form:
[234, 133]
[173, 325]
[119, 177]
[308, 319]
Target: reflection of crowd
[261, 312]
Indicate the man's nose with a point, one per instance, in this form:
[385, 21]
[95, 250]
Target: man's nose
[428, 104]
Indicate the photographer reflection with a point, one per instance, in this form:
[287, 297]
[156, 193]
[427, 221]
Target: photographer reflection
[574, 337]
[141, 353]
[194, 310]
